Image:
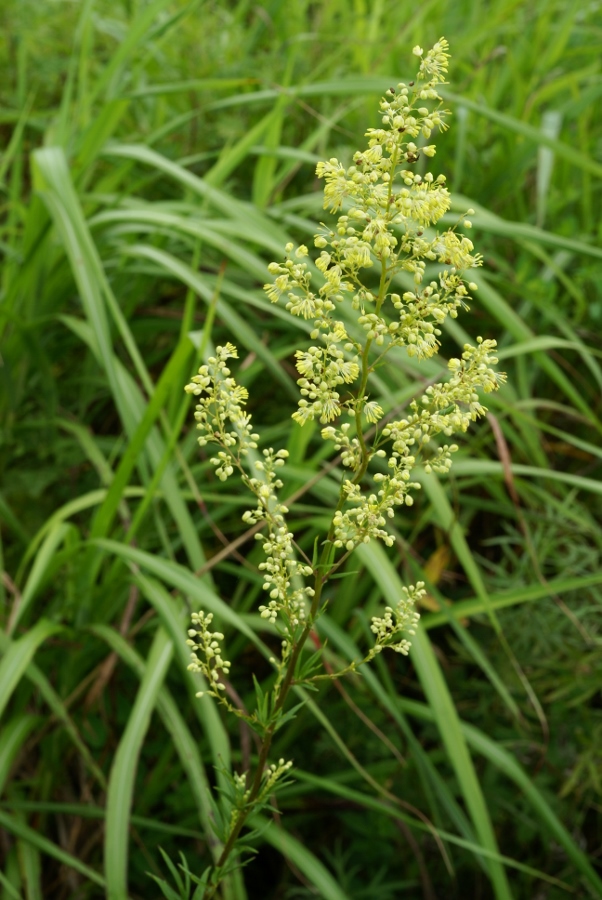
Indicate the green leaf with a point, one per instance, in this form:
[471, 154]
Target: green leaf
[125, 763]
[18, 654]
[316, 873]
[25, 833]
[445, 716]
[43, 559]
[12, 737]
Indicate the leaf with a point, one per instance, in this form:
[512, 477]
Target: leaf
[12, 737]
[39, 568]
[316, 873]
[120, 792]
[445, 716]
[183, 740]
[25, 833]
[18, 654]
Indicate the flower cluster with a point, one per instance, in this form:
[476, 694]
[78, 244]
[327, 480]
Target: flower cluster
[388, 209]
[272, 774]
[283, 573]
[387, 630]
[450, 406]
[207, 643]
[222, 420]
[368, 516]
[389, 206]
[219, 411]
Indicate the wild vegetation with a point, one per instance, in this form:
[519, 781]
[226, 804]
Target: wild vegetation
[156, 157]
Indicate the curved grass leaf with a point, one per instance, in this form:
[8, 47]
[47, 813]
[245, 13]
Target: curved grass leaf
[464, 609]
[173, 615]
[315, 871]
[342, 790]
[12, 737]
[183, 580]
[49, 848]
[43, 559]
[480, 742]
[125, 763]
[503, 760]
[445, 716]
[491, 467]
[17, 655]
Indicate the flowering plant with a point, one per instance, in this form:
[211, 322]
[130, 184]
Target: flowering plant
[386, 215]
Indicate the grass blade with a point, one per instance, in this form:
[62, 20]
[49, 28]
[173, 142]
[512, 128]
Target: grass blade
[25, 833]
[303, 858]
[12, 738]
[18, 654]
[445, 716]
[123, 771]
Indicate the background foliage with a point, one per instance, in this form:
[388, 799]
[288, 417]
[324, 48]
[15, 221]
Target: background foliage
[155, 156]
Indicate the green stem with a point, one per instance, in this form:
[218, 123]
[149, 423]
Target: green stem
[269, 734]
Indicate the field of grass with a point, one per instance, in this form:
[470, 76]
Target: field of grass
[155, 157]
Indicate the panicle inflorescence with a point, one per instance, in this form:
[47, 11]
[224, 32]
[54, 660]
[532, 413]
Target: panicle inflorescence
[388, 278]
[377, 291]
[403, 618]
[221, 419]
[219, 411]
[206, 653]
[283, 573]
[390, 210]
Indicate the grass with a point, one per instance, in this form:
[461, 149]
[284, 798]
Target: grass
[155, 157]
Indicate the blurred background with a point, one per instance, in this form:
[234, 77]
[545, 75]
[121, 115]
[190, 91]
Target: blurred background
[155, 157]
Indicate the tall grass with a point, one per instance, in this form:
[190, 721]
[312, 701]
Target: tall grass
[155, 156]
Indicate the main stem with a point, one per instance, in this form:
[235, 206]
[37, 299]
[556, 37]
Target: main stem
[320, 577]
[269, 733]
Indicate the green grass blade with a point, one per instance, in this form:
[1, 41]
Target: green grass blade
[51, 177]
[243, 332]
[25, 833]
[488, 221]
[491, 467]
[60, 712]
[18, 654]
[29, 859]
[354, 796]
[465, 609]
[316, 873]
[106, 513]
[43, 559]
[185, 744]
[132, 406]
[134, 37]
[445, 716]
[173, 615]
[53, 181]
[446, 520]
[509, 319]
[220, 200]
[507, 764]
[123, 771]
[182, 579]
[12, 737]
[231, 157]
[10, 891]
[566, 151]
